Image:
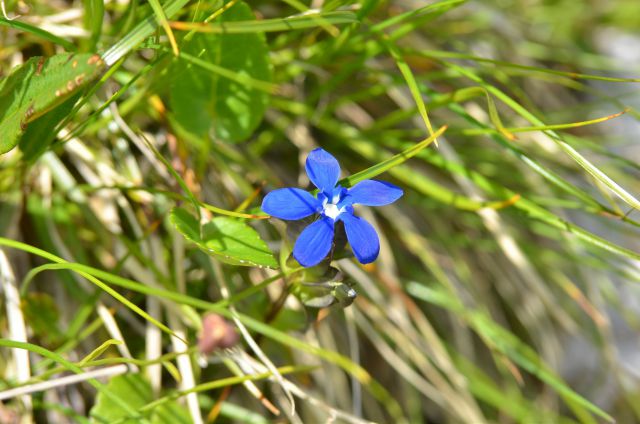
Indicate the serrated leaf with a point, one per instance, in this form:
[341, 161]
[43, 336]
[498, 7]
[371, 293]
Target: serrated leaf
[132, 388]
[236, 243]
[38, 86]
[211, 103]
[228, 239]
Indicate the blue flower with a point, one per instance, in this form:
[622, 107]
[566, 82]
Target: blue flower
[333, 203]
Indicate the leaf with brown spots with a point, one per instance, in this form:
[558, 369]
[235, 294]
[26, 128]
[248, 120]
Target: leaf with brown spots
[37, 87]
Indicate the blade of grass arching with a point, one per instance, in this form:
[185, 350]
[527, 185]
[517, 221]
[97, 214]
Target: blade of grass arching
[73, 368]
[143, 30]
[577, 157]
[62, 264]
[137, 287]
[504, 341]
[98, 351]
[162, 19]
[411, 22]
[292, 23]
[41, 33]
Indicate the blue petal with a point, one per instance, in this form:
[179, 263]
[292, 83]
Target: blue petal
[323, 170]
[362, 238]
[372, 193]
[314, 242]
[290, 203]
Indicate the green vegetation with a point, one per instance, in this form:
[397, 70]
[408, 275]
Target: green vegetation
[142, 283]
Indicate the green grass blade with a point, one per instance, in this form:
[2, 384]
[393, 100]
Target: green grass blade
[292, 23]
[40, 33]
[162, 20]
[93, 19]
[506, 342]
[453, 55]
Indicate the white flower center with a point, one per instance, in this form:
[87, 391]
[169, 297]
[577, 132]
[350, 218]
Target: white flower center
[332, 211]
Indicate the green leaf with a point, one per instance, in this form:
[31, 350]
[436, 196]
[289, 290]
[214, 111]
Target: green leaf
[228, 239]
[236, 243]
[37, 87]
[186, 224]
[207, 102]
[131, 387]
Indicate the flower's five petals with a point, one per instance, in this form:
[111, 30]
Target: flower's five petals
[362, 238]
[290, 204]
[373, 193]
[323, 170]
[314, 242]
[333, 203]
